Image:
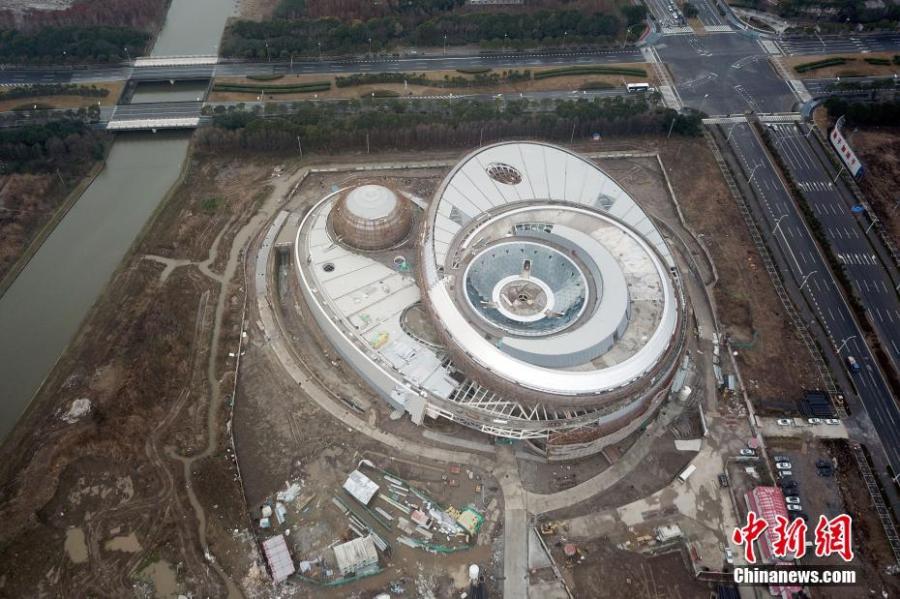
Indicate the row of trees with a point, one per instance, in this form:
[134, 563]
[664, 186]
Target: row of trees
[67, 145]
[281, 38]
[398, 125]
[363, 9]
[71, 44]
[54, 89]
[862, 113]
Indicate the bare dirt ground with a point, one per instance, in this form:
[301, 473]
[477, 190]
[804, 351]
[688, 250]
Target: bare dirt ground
[775, 366]
[879, 150]
[603, 570]
[144, 361]
[141, 360]
[857, 67]
[873, 553]
[361, 91]
[258, 10]
[73, 101]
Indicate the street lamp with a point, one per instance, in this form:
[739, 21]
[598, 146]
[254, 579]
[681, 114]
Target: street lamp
[705, 96]
[730, 131]
[777, 222]
[445, 44]
[844, 342]
[806, 279]
[753, 172]
[833, 181]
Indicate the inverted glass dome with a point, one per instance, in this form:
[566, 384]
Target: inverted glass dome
[526, 288]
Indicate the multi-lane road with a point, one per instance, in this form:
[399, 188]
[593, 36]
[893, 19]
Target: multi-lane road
[834, 44]
[867, 265]
[90, 74]
[805, 268]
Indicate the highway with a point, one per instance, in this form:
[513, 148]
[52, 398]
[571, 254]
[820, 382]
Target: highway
[298, 67]
[805, 268]
[833, 44]
[868, 270]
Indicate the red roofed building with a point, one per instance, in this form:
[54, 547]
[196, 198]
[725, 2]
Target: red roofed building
[768, 502]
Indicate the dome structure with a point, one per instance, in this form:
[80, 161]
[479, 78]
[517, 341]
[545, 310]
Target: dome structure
[371, 217]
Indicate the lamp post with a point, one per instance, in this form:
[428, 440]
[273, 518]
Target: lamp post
[777, 223]
[843, 343]
[753, 172]
[837, 176]
[730, 131]
[806, 279]
[705, 96]
[445, 44]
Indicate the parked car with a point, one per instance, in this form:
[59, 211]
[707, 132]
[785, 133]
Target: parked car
[793, 507]
[792, 499]
[795, 515]
[785, 422]
[823, 463]
[831, 421]
[789, 484]
[825, 472]
[781, 458]
[783, 465]
[814, 420]
[723, 480]
[747, 452]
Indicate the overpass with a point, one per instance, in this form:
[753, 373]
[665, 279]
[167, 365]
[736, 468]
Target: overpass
[155, 116]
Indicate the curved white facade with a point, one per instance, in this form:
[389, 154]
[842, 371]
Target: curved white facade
[545, 299]
[539, 176]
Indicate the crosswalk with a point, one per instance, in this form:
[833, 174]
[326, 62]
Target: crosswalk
[677, 30]
[858, 259]
[718, 28]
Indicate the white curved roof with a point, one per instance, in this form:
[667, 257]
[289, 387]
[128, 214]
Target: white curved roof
[540, 174]
[371, 202]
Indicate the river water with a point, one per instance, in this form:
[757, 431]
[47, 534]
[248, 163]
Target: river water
[44, 307]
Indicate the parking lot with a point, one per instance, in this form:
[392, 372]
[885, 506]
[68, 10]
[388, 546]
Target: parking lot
[819, 494]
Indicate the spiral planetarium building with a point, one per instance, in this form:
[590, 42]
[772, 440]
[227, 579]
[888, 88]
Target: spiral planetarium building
[530, 298]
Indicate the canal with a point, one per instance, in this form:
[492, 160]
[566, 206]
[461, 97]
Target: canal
[42, 310]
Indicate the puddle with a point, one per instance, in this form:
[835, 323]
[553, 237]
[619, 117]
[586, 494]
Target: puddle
[128, 543]
[162, 575]
[76, 548]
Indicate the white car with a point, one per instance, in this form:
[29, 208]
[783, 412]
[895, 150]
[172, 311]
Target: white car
[792, 500]
[729, 556]
[783, 465]
[785, 473]
[785, 422]
[795, 507]
[831, 421]
[748, 452]
[814, 420]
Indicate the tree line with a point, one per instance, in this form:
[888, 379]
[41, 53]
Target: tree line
[54, 89]
[281, 38]
[52, 45]
[391, 124]
[862, 113]
[67, 145]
